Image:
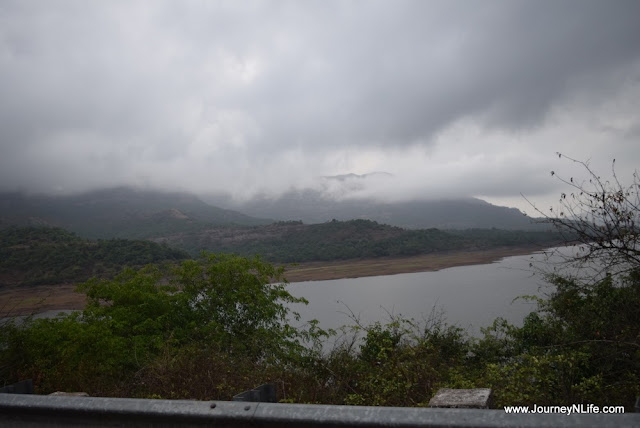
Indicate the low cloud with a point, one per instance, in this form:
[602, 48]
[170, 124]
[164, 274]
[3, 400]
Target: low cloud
[451, 98]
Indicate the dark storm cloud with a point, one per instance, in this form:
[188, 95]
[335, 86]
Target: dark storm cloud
[397, 72]
[237, 95]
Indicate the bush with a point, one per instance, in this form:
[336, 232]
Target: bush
[222, 305]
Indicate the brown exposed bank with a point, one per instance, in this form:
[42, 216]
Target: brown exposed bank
[320, 271]
[30, 300]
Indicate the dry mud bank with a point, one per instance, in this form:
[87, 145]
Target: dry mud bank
[320, 271]
[32, 300]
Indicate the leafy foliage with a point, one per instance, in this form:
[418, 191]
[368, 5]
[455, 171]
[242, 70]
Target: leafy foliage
[43, 255]
[212, 327]
[220, 304]
[583, 345]
[397, 364]
[355, 239]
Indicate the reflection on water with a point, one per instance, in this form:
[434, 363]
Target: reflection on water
[470, 296]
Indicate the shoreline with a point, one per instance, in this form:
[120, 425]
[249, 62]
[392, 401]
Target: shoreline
[20, 301]
[24, 301]
[323, 271]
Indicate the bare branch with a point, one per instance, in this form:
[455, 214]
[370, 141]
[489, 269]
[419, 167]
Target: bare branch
[600, 217]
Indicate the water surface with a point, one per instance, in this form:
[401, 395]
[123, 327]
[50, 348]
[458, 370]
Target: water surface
[469, 296]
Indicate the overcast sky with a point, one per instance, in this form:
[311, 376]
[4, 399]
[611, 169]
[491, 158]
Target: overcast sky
[454, 98]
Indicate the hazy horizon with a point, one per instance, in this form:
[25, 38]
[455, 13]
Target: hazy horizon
[452, 99]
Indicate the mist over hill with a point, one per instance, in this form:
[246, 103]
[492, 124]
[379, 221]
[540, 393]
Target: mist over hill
[352, 196]
[135, 213]
[118, 212]
[357, 228]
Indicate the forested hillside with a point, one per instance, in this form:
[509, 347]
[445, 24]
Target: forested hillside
[118, 213]
[211, 327]
[44, 255]
[354, 239]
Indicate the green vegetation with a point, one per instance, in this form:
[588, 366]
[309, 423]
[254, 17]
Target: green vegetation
[44, 255]
[212, 327]
[288, 242]
[581, 347]
[221, 324]
[142, 330]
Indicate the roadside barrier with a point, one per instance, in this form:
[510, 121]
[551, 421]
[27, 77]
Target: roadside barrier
[27, 410]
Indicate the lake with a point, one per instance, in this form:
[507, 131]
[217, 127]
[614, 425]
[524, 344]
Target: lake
[469, 296]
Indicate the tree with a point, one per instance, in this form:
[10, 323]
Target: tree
[600, 219]
[240, 303]
[142, 326]
[234, 303]
[583, 345]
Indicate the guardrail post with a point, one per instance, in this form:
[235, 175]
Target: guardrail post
[263, 394]
[478, 398]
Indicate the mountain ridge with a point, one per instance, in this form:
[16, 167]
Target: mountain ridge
[118, 212]
[185, 221]
[314, 206]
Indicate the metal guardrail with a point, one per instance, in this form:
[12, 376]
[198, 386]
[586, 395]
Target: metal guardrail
[18, 410]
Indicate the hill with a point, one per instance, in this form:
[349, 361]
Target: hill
[294, 241]
[44, 255]
[120, 213]
[186, 222]
[314, 206]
